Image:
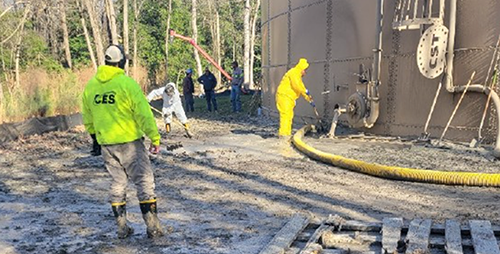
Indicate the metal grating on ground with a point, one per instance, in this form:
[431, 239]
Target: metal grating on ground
[336, 235]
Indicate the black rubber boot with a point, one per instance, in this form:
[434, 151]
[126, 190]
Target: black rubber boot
[120, 213]
[150, 216]
[96, 148]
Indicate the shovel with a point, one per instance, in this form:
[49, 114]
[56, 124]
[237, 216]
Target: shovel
[319, 124]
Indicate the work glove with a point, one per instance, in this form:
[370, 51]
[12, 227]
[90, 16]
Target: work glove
[312, 104]
[96, 148]
[154, 149]
[307, 92]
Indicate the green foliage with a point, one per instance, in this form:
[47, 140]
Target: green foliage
[80, 55]
[38, 51]
[35, 53]
[151, 36]
[180, 52]
[79, 51]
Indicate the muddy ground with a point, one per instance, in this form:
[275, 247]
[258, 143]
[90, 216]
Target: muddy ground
[228, 190]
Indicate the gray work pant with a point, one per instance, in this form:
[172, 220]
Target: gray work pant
[129, 160]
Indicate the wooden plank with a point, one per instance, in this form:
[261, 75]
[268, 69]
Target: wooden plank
[440, 228]
[377, 226]
[315, 238]
[417, 238]
[361, 226]
[391, 234]
[369, 238]
[483, 238]
[304, 236]
[336, 251]
[284, 238]
[453, 237]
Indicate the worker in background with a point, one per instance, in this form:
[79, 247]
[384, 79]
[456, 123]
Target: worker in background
[209, 82]
[188, 90]
[289, 90]
[117, 112]
[236, 85]
[171, 105]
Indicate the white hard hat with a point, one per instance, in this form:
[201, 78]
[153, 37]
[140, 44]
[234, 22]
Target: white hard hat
[114, 54]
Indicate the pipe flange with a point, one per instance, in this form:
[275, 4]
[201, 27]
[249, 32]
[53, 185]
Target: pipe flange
[356, 109]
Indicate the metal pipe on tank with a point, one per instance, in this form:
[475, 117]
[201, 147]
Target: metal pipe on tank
[448, 81]
[478, 88]
[372, 91]
[378, 47]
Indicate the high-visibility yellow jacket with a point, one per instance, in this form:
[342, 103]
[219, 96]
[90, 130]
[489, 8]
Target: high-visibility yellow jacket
[115, 109]
[291, 84]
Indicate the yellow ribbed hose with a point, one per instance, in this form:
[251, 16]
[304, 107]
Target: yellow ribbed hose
[396, 173]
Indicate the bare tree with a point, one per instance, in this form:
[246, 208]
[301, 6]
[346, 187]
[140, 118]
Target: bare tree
[214, 24]
[86, 34]
[252, 43]
[217, 42]
[17, 48]
[246, 50]
[96, 30]
[137, 11]
[110, 9]
[64, 26]
[125, 31]
[195, 36]
[167, 37]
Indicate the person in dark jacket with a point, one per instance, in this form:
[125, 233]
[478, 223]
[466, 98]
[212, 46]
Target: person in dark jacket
[209, 82]
[188, 90]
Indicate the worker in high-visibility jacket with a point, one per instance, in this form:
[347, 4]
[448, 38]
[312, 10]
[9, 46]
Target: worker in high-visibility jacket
[289, 90]
[116, 111]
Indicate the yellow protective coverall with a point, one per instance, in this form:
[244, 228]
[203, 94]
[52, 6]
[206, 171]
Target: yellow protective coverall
[289, 90]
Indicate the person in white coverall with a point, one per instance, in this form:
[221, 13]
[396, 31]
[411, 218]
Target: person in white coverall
[172, 104]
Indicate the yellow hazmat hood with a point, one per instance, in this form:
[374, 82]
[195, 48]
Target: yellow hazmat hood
[302, 65]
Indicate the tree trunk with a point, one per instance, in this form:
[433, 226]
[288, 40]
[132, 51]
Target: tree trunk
[96, 31]
[195, 37]
[86, 33]
[246, 50]
[215, 32]
[1, 85]
[53, 31]
[125, 32]
[64, 26]
[136, 22]
[217, 41]
[252, 43]
[112, 21]
[167, 38]
[19, 42]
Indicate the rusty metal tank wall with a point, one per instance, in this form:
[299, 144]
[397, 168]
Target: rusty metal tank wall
[336, 36]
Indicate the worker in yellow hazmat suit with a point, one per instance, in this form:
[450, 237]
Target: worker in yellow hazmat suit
[289, 90]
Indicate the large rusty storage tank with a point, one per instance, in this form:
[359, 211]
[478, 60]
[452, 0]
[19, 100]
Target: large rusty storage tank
[340, 38]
